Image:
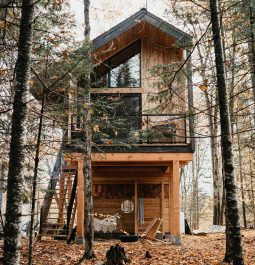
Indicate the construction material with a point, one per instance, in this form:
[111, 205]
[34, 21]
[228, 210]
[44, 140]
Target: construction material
[216, 229]
[152, 229]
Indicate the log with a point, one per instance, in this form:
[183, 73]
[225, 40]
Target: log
[116, 256]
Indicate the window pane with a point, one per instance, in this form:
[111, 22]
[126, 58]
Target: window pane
[117, 115]
[121, 70]
[126, 74]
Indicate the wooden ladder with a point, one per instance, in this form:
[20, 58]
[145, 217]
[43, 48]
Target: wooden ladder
[61, 216]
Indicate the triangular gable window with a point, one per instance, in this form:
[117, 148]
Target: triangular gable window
[121, 70]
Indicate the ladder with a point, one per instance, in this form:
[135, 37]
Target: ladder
[61, 215]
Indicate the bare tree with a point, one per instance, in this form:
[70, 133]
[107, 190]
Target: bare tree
[15, 177]
[232, 214]
[87, 169]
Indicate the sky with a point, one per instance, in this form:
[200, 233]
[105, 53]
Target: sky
[105, 14]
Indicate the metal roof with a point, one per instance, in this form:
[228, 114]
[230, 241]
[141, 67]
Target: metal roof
[142, 15]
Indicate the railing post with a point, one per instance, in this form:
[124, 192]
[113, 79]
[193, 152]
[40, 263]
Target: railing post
[147, 133]
[185, 128]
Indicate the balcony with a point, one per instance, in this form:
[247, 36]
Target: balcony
[136, 133]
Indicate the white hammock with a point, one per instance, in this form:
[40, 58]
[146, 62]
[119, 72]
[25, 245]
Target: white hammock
[108, 224]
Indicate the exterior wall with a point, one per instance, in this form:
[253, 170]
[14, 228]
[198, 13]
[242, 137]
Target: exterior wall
[135, 169]
[156, 49]
[153, 207]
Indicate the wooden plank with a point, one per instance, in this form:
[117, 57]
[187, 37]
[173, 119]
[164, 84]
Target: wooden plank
[162, 206]
[61, 199]
[69, 187]
[175, 199]
[80, 202]
[135, 210]
[169, 200]
[103, 180]
[142, 157]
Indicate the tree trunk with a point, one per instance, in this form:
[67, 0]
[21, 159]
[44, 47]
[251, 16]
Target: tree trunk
[252, 189]
[15, 176]
[87, 170]
[251, 47]
[240, 160]
[34, 185]
[213, 128]
[232, 214]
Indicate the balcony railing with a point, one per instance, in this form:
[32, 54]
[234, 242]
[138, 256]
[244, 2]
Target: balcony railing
[144, 129]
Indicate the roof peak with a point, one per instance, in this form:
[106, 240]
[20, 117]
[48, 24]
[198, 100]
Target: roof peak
[142, 15]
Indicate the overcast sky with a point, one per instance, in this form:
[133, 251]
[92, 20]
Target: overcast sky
[107, 13]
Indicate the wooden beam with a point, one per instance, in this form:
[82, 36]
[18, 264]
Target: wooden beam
[80, 204]
[175, 200]
[169, 201]
[61, 200]
[105, 180]
[162, 206]
[141, 157]
[136, 208]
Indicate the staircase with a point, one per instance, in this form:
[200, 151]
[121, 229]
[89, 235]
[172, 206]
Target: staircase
[61, 215]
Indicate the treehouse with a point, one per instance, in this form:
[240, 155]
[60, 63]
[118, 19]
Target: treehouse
[142, 131]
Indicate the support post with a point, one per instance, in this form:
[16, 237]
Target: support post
[162, 207]
[169, 199]
[175, 203]
[135, 210]
[80, 204]
[61, 199]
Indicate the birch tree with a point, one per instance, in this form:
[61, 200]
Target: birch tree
[12, 237]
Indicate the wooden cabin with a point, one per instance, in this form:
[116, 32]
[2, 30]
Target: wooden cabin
[136, 169]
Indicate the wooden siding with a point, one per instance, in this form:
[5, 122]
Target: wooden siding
[156, 49]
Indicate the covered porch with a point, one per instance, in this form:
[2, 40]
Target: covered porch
[149, 182]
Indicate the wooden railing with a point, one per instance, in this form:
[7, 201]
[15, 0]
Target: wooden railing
[143, 129]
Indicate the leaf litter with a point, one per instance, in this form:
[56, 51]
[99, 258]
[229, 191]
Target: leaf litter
[195, 250]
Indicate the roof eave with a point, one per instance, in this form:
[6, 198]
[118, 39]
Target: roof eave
[142, 15]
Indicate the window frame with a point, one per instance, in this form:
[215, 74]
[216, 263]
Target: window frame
[108, 74]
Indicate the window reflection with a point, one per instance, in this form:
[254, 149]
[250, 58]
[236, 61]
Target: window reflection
[121, 70]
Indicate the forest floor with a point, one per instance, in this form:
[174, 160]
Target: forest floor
[195, 250]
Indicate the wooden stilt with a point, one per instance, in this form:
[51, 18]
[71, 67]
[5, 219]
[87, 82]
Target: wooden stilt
[61, 200]
[135, 210]
[175, 203]
[80, 204]
[162, 206]
[169, 199]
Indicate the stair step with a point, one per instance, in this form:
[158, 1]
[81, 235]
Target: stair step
[69, 167]
[69, 172]
[52, 224]
[61, 237]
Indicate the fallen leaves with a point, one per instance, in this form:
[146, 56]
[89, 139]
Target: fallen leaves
[195, 250]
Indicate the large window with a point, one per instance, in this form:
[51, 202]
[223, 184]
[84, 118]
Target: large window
[116, 116]
[121, 70]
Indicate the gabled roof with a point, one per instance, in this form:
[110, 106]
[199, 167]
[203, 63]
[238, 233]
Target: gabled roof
[142, 15]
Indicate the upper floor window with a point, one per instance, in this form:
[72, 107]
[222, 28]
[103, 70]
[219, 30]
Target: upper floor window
[121, 70]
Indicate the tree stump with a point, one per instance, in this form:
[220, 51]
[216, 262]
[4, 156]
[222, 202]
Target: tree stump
[116, 256]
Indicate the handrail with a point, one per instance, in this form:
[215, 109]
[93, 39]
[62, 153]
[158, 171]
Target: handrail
[141, 128]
